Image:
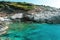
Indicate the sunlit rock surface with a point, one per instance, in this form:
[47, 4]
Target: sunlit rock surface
[3, 29]
[51, 15]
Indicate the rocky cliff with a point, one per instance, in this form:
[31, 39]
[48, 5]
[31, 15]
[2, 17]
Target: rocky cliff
[31, 12]
[45, 14]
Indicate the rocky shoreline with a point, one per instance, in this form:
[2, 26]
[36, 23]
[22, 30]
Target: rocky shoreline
[35, 13]
[43, 16]
[3, 29]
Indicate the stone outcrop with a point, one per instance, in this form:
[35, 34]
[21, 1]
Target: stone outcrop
[52, 15]
[41, 14]
[3, 29]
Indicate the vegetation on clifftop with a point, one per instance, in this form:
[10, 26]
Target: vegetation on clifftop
[14, 7]
[17, 5]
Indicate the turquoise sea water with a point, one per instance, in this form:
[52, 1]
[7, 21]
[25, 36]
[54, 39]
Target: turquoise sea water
[34, 31]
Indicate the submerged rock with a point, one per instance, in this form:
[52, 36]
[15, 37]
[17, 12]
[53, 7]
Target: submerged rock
[3, 29]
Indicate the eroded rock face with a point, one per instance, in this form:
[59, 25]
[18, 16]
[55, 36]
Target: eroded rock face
[45, 16]
[42, 15]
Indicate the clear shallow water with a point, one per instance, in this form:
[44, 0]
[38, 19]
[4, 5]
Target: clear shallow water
[33, 31]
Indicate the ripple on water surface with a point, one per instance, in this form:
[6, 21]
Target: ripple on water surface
[33, 31]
